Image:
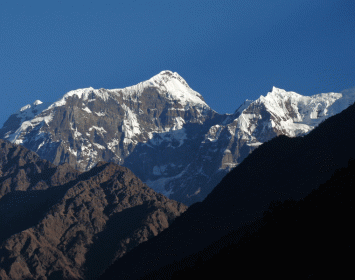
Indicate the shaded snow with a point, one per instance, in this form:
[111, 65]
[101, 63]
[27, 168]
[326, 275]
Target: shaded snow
[214, 133]
[27, 126]
[99, 146]
[159, 170]
[160, 184]
[114, 143]
[169, 137]
[130, 125]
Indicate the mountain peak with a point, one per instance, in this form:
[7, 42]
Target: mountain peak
[167, 75]
[172, 86]
[278, 93]
[276, 90]
[37, 102]
[28, 106]
[166, 72]
[24, 108]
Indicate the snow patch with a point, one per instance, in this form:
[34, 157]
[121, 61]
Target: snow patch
[99, 130]
[179, 122]
[82, 93]
[170, 137]
[214, 133]
[73, 152]
[130, 125]
[99, 146]
[159, 170]
[25, 107]
[87, 110]
[114, 143]
[256, 144]
[160, 184]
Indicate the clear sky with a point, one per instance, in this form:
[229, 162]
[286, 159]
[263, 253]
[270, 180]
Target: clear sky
[227, 50]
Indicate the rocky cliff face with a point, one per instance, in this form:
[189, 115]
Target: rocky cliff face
[164, 131]
[58, 223]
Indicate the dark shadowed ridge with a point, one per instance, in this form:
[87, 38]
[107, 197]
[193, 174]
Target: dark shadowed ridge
[29, 185]
[306, 239]
[234, 215]
[58, 223]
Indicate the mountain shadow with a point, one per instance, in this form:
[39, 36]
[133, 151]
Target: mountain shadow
[305, 239]
[283, 169]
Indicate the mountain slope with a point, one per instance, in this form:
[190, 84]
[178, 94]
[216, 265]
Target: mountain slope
[22, 169]
[164, 131]
[74, 229]
[282, 168]
[23, 172]
[309, 238]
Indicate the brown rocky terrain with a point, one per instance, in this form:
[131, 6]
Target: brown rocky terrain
[76, 227]
[22, 169]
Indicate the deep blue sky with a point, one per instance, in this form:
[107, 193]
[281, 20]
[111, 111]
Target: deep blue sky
[228, 51]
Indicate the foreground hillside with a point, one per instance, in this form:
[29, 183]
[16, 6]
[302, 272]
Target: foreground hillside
[76, 227]
[309, 238]
[22, 169]
[281, 169]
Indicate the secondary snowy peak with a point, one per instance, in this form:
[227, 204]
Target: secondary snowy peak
[21, 119]
[293, 108]
[37, 102]
[279, 112]
[30, 110]
[293, 114]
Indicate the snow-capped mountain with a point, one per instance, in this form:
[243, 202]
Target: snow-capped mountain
[88, 125]
[164, 131]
